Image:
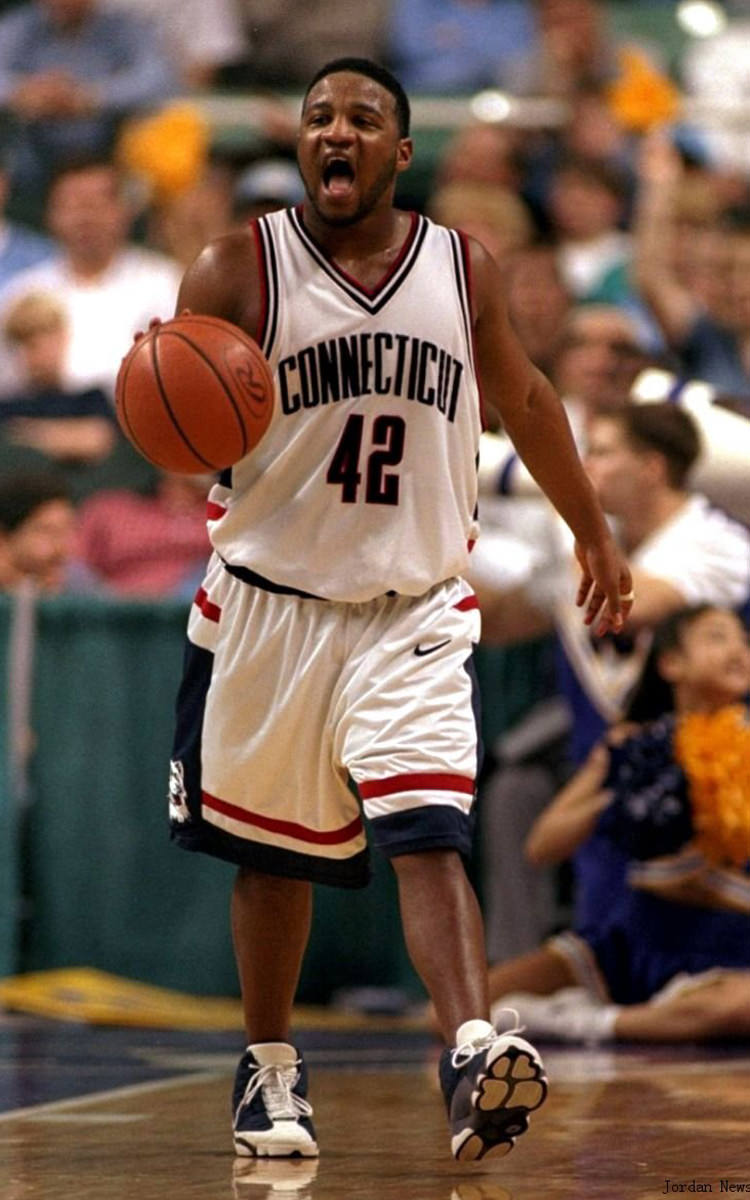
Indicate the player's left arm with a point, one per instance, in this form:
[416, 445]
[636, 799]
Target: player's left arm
[534, 418]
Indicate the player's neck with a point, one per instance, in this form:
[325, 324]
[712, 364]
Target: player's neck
[379, 232]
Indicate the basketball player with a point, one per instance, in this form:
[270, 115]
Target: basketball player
[329, 648]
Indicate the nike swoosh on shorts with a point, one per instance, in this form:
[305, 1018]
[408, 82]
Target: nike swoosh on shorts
[420, 651]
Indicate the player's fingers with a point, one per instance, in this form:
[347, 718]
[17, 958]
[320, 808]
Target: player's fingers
[139, 333]
[594, 604]
[584, 587]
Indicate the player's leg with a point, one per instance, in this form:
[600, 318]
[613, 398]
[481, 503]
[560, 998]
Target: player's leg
[444, 935]
[271, 919]
[491, 1081]
[251, 760]
[412, 745]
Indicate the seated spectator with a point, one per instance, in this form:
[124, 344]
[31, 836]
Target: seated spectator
[37, 524]
[482, 152]
[586, 205]
[266, 186]
[109, 287]
[572, 49]
[681, 550]
[290, 39]
[200, 38]
[69, 72]
[705, 319]
[20, 246]
[538, 302]
[132, 544]
[495, 216]
[64, 425]
[457, 46]
[669, 961]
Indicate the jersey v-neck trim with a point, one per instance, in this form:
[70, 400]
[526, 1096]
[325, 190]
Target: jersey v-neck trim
[370, 299]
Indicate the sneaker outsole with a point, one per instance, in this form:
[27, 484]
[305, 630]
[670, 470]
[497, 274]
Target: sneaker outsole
[511, 1085]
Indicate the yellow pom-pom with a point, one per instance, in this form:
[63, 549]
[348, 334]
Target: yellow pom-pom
[167, 149]
[714, 752]
[642, 96]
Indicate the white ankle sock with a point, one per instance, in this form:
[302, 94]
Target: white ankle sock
[601, 1023]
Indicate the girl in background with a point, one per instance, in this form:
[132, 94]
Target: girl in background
[671, 960]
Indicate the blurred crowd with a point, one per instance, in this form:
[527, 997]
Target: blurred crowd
[620, 217]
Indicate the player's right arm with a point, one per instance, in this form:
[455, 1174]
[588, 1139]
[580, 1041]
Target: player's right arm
[534, 418]
[224, 281]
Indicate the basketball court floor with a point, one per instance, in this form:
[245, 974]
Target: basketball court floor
[93, 1113]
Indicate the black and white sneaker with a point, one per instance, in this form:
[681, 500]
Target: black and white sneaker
[272, 1116]
[491, 1082]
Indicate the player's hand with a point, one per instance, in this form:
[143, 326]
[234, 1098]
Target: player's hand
[605, 591]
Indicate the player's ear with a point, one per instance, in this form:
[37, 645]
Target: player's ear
[404, 154]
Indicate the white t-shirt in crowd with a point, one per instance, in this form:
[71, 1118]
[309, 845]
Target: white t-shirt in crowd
[103, 313]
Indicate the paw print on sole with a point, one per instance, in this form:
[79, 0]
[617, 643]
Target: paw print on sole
[514, 1079]
[508, 1084]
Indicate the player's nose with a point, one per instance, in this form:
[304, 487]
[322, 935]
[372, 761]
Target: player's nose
[340, 130]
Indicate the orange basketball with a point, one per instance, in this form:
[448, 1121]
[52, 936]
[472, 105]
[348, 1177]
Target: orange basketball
[194, 394]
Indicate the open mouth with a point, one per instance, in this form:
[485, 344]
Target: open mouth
[338, 177]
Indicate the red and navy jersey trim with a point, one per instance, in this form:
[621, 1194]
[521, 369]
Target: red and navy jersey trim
[372, 300]
[269, 278]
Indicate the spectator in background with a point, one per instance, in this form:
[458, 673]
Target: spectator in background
[265, 186]
[593, 358]
[482, 152]
[708, 327]
[572, 49]
[495, 216]
[599, 355]
[682, 551]
[37, 522]
[108, 287]
[289, 39]
[20, 246]
[200, 36]
[670, 960]
[457, 46]
[538, 302]
[64, 426]
[69, 72]
[585, 209]
[152, 545]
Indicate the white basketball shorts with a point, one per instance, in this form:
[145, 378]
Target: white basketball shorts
[295, 715]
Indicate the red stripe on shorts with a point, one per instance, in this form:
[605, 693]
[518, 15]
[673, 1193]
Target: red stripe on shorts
[467, 603]
[424, 782]
[214, 511]
[211, 611]
[330, 837]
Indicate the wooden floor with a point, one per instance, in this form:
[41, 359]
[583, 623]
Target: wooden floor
[628, 1124]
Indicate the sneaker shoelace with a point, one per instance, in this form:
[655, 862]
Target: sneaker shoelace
[275, 1084]
[466, 1051]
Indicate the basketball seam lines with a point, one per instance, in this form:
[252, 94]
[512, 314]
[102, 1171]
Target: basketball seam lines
[165, 399]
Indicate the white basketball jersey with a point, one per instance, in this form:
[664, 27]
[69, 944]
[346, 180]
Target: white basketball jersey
[366, 480]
